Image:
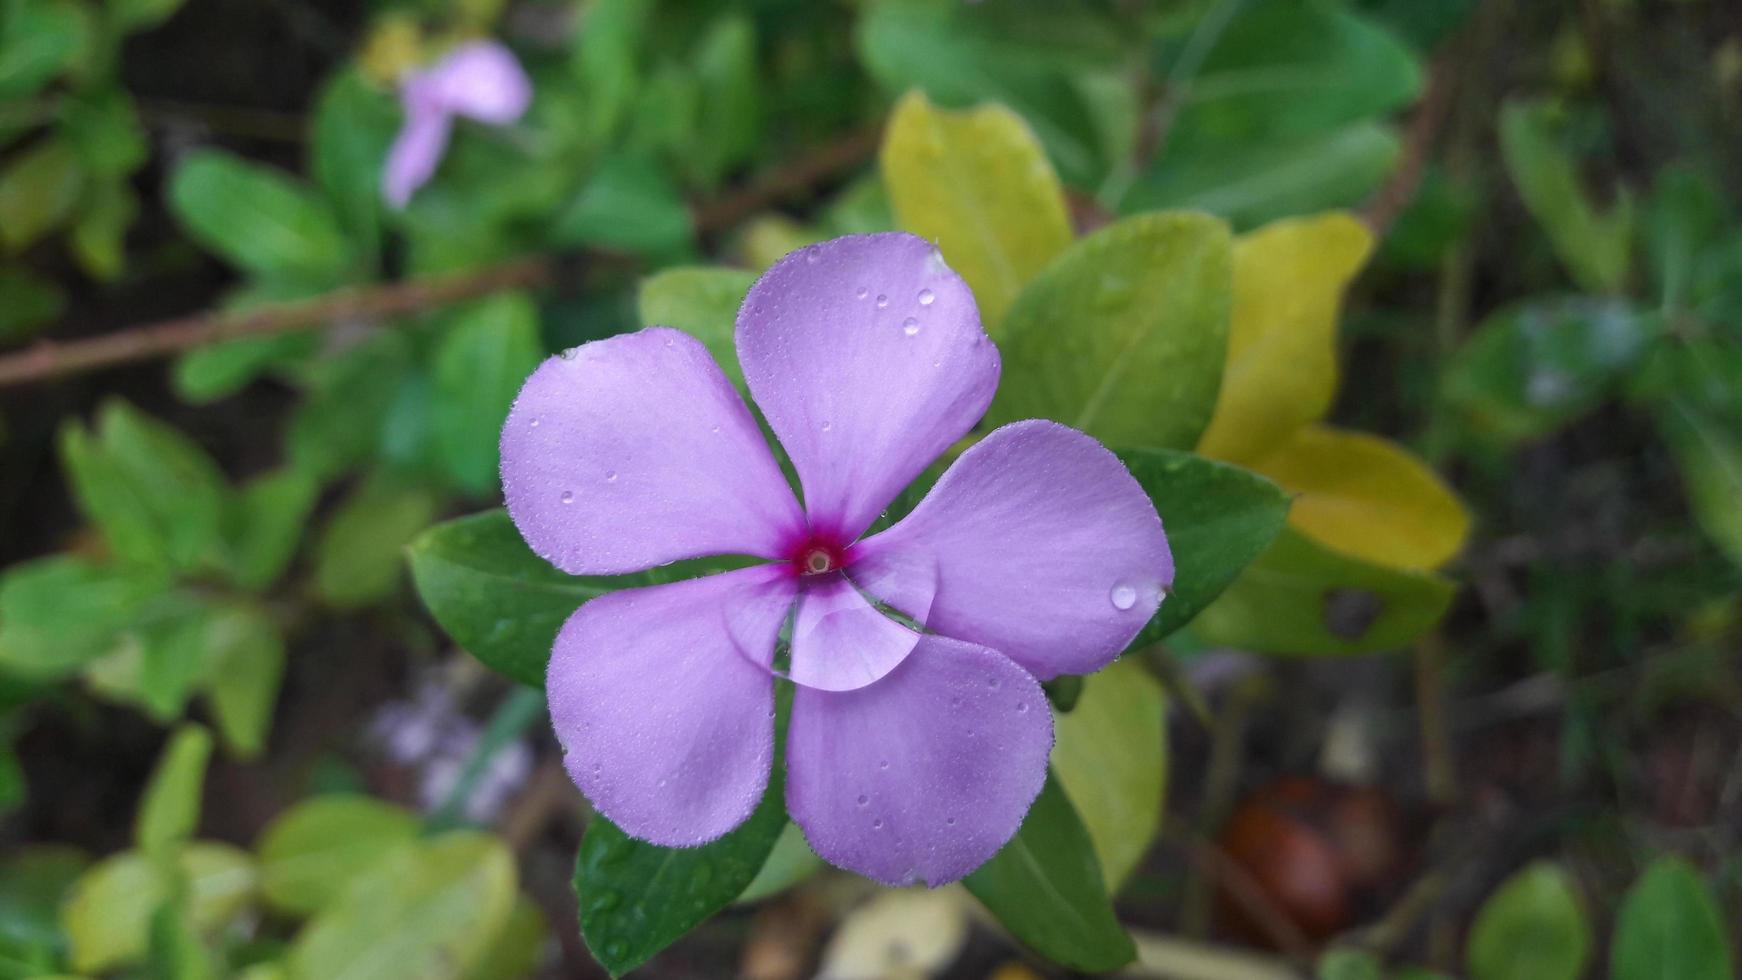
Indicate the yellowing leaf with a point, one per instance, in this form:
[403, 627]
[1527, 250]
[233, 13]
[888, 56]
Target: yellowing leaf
[107, 916]
[1289, 279]
[978, 183]
[1368, 498]
[1111, 756]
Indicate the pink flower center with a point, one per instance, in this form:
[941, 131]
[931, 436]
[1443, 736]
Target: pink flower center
[817, 554]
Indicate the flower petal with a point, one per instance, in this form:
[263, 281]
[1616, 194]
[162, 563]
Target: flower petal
[480, 80]
[416, 151]
[665, 727]
[840, 641]
[635, 451]
[1046, 549]
[925, 774]
[866, 356]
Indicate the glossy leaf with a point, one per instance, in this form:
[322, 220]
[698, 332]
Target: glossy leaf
[310, 854]
[1301, 598]
[1111, 758]
[1123, 336]
[153, 493]
[1531, 368]
[1250, 184]
[1669, 927]
[170, 808]
[1218, 518]
[1595, 245]
[1289, 280]
[703, 302]
[359, 553]
[107, 918]
[978, 184]
[490, 346]
[638, 898]
[1532, 928]
[1046, 887]
[1368, 498]
[259, 219]
[421, 911]
[503, 603]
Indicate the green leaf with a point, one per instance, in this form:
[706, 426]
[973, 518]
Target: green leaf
[263, 524]
[1111, 758]
[1053, 65]
[313, 851]
[1531, 368]
[503, 603]
[628, 204]
[153, 493]
[358, 554]
[245, 664]
[490, 346]
[170, 808]
[40, 40]
[1683, 221]
[1669, 928]
[1125, 334]
[353, 125]
[107, 918]
[638, 898]
[978, 184]
[1283, 69]
[38, 191]
[27, 304]
[99, 234]
[1045, 886]
[728, 125]
[33, 884]
[168, 653]
[790, 862]
[340, 422]
[606, 63]
[57, 614]
[1595, 246]
[421, 911]
[1218, 517]
[138, 15]
[1709, 452]
[1532, 928]
[1349, 964]
[703, 302]
[259, 219]
[514, 952]
[105, 134]
[1301, 598]
[1253, 183]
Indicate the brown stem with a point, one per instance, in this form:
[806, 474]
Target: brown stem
[48, 360]
[1424, 129]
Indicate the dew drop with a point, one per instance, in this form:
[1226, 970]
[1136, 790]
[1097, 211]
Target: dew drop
[617, 950]
[910, 326]
[714, 429]
[864, 800]
[884, 764]
[568, 497]
[610, 476]
[861, 292]
[533, 423]
[1123, 596]
[1022, 707]
[951, 821]
[992, 682]
[882, 301]
[598, 767]
[926, 297]
[955, 702]
[606, 900]
[877, 824]
[811, 257]
[827, 426]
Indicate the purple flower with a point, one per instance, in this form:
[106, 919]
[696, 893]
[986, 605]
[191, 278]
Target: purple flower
[480, 81]
[912, 754]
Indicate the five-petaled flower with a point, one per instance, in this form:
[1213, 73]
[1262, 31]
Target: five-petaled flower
[917, 740]
[479, 81]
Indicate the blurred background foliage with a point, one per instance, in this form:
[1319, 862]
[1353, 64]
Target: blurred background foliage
[1436, 374]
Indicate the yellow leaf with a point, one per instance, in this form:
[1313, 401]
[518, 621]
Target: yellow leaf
[978, 183]
[1111, 756]
[1368, 498]
[1289, 278]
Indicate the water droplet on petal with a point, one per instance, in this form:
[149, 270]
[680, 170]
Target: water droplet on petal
[884, 764]
[533, 423]
[877, 824]
[1123, 596]
[861, 292]
[568, 497]
[714, 428]
[1022, 707]
[992, 682]
[611, 476]
[951, 821]
[811, 257]
[926, 297]
[910, 326]
[882, 301]
[864, 800]
[827, 426]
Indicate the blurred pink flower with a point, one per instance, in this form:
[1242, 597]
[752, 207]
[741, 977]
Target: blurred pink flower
[480, 81]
